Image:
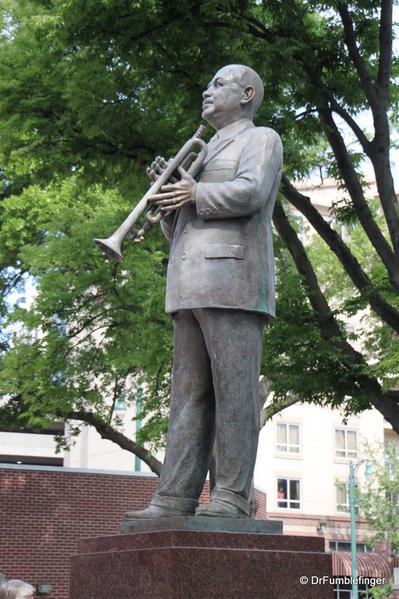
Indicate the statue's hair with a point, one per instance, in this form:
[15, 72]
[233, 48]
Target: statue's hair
[16, 589]
[248, 77]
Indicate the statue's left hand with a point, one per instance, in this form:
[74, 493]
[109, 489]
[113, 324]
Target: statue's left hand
[175, 195]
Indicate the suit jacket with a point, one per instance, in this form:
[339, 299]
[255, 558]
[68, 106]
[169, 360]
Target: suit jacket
[221, 252]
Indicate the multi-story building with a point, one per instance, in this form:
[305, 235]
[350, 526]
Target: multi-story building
[303, 466]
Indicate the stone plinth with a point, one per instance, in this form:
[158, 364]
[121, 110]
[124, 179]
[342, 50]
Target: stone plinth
[204, 524]
[182, 563]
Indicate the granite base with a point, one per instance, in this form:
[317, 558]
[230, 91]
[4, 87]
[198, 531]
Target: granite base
[192, 564]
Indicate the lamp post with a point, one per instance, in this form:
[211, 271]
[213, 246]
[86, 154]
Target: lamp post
[352, 471]
[355, 590]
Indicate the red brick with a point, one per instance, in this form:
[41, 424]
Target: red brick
[44, 514]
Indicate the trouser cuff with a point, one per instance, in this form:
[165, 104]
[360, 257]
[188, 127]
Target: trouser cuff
[233, 499]
[182, 504]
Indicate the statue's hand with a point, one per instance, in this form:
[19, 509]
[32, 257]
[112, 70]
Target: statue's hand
[157, 168]
[175, 195]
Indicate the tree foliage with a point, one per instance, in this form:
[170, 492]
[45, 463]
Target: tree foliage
[378, 502]
[93, 329]
[90, 92]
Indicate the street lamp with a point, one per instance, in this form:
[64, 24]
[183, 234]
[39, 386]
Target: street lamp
[352, 472]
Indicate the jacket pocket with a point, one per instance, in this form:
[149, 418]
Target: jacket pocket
[219, 169]
[222, 250]
[217, 164]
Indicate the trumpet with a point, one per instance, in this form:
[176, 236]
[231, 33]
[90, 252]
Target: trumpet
[186, 160]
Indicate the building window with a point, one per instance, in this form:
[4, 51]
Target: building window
[345, 443]
[289, 493]
[54, 428]
[31, 460]
[391, 453]
[393, 499]
[344, 591]
[346, 546]
[342, 495]
[288, 438]
[342, 490]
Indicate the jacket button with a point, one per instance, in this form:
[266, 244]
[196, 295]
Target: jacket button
[184, 256]
[201, 212]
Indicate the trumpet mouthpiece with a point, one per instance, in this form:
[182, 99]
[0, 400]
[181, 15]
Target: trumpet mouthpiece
[200, 131]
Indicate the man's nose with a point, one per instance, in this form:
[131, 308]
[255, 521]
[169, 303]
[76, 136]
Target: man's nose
[206, 93]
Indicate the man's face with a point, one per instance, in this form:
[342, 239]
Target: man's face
[221, 99]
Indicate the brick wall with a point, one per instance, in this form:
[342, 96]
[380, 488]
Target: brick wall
[44, 512]
[260, 505]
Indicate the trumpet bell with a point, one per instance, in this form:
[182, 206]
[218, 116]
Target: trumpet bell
[111, 247]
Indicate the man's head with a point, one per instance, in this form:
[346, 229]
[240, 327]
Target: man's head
[16, 589]
[235, 92]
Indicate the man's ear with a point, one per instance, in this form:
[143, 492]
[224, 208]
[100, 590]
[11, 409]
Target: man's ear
[247, 95]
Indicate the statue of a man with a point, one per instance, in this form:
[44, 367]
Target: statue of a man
[220, 293]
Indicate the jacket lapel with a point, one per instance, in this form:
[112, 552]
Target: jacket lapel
[215, 150]
[225, 142]
[218, 148]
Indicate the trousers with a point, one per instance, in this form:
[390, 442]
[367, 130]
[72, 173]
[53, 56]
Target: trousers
[214, 398]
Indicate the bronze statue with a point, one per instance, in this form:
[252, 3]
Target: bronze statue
[220, 293]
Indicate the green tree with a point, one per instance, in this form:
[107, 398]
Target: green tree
[95, 331]
[90, 92]
[379, 500]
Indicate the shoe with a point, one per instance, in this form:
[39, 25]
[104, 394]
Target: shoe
[155, 511]
[220, 509]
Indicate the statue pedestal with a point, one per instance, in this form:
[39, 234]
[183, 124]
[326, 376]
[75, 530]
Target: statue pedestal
[172, 559]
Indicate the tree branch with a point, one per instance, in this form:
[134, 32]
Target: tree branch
[385, 183]
[304, 113]
[356, 57]
[14, 411]
[275, 407]
[355, 190]
[4, 346]
[114, 398]
[338, 109]
[328, 326]
[385, 59]
[378, 152]
[256, 27]
[327, 323]
[107, 432]
[394, 395]
[377, 149]
[302, 203]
